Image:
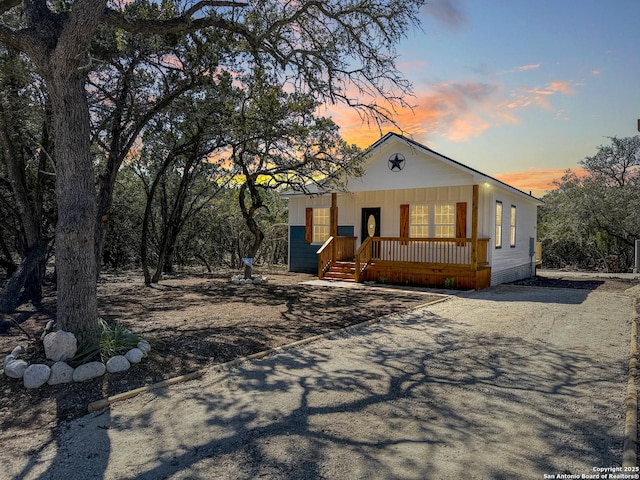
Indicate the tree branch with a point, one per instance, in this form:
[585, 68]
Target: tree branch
[182, 24]
[212, 3]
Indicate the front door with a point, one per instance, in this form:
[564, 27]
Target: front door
[370, 226]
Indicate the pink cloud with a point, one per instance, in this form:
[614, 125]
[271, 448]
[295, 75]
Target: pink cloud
[537, 181]
[539, 96]
[457, 111]
[562, 87]
[524, 68]
[452, 110]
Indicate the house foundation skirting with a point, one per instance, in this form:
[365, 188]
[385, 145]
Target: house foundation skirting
[512, 274]
[414, 273]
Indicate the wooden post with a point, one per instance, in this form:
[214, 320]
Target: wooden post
[333, 224]
[474, 229]
[333, 216]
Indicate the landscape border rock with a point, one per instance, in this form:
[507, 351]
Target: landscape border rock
[89, 370]
[60, 373]
[60, 345]
[255, 280]
[38, 374]
[118, 364]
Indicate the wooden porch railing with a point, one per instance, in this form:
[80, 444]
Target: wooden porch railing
[325, 257]
[363, 256]
[335, 249]
[443, 251]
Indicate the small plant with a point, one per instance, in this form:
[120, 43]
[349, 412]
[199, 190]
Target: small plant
[114, 340]
[449, 282]
[382, 280]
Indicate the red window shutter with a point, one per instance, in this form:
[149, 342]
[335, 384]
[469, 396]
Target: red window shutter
[308, 227]
[404, 222]
[461, 220]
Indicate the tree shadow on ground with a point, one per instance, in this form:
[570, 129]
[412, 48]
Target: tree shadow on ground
[423, 401]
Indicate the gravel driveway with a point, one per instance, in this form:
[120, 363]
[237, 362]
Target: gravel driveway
[506, 383]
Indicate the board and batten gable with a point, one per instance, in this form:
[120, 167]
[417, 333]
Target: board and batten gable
[422, 169]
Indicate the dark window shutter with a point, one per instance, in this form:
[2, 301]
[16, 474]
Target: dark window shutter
[461, 220]
[404, 220]
[308, 227]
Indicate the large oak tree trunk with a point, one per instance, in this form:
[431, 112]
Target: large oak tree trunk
[76, 196]
[59, 49]
[60, 54]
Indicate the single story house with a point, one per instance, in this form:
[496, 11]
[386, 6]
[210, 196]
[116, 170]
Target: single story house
[415, 217]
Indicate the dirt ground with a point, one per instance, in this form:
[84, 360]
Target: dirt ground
[194, 321]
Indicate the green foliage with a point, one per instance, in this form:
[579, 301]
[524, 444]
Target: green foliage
[27, 167]
[122, 242]
[591, 222]
[114, 340]
[449, 282]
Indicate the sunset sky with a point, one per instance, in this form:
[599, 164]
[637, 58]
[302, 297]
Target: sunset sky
[520, 90]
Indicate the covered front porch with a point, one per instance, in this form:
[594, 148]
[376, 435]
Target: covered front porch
[459, 262]
[454, 262]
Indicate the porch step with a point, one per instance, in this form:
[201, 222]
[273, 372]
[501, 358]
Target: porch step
[344, 271]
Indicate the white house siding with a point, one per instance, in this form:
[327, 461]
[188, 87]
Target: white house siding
[350, 205]
[389, 202]
[298, 204]
[421, 169]
[511, 263]
[426, 178]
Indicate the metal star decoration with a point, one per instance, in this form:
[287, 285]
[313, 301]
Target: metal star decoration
[396, 162]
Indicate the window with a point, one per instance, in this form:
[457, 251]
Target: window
[498, 224]
[419, 221]
[512, 227]
[445, 221]
[431, 221]
[320, 225]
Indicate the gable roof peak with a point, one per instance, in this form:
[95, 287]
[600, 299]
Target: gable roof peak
[478, 175]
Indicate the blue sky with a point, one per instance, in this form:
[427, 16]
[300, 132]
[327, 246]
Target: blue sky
[521, 90]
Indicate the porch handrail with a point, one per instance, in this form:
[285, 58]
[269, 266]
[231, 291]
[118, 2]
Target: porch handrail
[345, 248]
[325, 256]
[363, 257]
[444, 251]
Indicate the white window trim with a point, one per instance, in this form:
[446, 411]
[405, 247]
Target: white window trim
[428, 224]
[498, 229]
[513, 219]
[452, 225]
[431, 218]
[316, 224]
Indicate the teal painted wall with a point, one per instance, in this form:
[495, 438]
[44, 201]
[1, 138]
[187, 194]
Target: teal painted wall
[302, 256]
